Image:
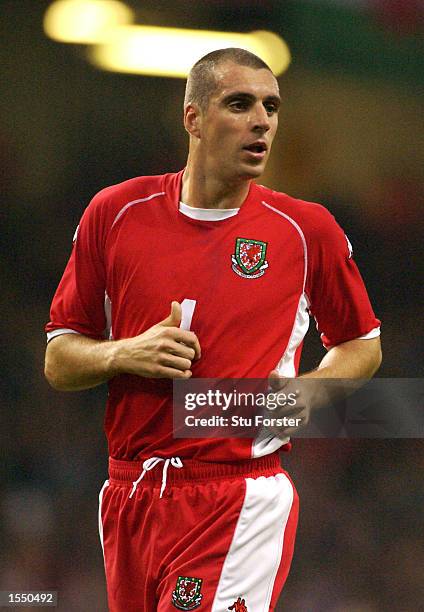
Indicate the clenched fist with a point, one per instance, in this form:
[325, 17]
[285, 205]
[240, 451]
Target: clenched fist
[163, 351]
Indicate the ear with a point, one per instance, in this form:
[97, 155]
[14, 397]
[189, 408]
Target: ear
[192, 119]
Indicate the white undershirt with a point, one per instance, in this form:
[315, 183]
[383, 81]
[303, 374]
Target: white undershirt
[207, 214]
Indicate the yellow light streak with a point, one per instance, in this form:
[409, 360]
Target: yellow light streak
[171, 52]
[85, 21]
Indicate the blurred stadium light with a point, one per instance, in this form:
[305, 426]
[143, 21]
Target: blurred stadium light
[172, 51]
[121, 46]
[85, 21]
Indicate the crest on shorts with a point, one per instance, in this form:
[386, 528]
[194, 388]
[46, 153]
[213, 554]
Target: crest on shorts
[187, 595]
[248, 260]
[239, 606]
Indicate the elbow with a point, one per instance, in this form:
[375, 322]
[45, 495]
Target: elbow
[52, 377]
[53, 374]
[378, 360]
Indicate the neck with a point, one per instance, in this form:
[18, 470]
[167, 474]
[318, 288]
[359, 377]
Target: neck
[203, 190]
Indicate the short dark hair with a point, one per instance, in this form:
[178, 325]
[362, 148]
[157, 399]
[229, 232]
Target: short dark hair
[201, 82]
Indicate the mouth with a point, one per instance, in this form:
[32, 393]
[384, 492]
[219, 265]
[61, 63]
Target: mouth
[257, 149]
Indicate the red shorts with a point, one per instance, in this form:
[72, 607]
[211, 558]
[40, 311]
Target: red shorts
[220, 538]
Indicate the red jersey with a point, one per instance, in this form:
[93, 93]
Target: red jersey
[254, 277]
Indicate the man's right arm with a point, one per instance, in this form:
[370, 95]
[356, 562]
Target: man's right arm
[75, 362]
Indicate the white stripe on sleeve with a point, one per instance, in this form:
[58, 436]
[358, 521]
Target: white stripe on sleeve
[60, 332]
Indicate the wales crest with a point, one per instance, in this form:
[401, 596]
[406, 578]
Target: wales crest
[249, 260]
[187, 595]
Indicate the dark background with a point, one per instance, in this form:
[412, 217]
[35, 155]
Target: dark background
[350, 137]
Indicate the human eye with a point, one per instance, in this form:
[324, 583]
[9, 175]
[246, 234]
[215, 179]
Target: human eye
[238, 105]
[271, 108]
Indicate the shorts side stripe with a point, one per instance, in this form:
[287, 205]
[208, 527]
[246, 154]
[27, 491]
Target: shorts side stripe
[254, 557]
[287, 552]
[106, 483]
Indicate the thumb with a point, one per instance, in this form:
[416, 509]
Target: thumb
[174, 318]
[276, 381]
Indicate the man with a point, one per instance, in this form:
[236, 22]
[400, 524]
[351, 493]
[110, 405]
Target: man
[203, 523]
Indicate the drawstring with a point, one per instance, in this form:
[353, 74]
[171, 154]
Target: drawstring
[150, 464]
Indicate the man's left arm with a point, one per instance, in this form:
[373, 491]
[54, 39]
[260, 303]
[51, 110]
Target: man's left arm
[354, 359]
[338, 300]
[353, 363]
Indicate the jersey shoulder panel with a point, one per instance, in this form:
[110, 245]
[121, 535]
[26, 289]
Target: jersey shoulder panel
[318, 226]
[311, 217]
[116, 196]
[109, 203]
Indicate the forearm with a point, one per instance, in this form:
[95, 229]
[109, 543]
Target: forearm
[357, 359]
[348, 366]
[75, 362]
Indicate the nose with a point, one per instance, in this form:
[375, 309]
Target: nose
[260, 118]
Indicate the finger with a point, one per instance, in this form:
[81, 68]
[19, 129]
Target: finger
[284, 411]
[175, 362]
[276, 381]
[284, 403]
[277, 432]
[174, 318]
[181, 350]
[164, 372]
[291, 429]
[188, 338]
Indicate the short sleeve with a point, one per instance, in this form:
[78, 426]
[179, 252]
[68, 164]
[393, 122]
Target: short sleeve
[336, 292]
[79, 302]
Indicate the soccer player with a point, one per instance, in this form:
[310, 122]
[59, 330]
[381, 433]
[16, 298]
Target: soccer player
[203, 273]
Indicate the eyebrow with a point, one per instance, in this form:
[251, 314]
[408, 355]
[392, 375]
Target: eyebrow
[247, 96]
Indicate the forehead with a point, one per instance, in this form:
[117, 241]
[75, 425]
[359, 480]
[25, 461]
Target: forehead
[233, 77]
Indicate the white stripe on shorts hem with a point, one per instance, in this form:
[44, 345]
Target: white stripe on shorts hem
[106, 483]
[251, 565]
